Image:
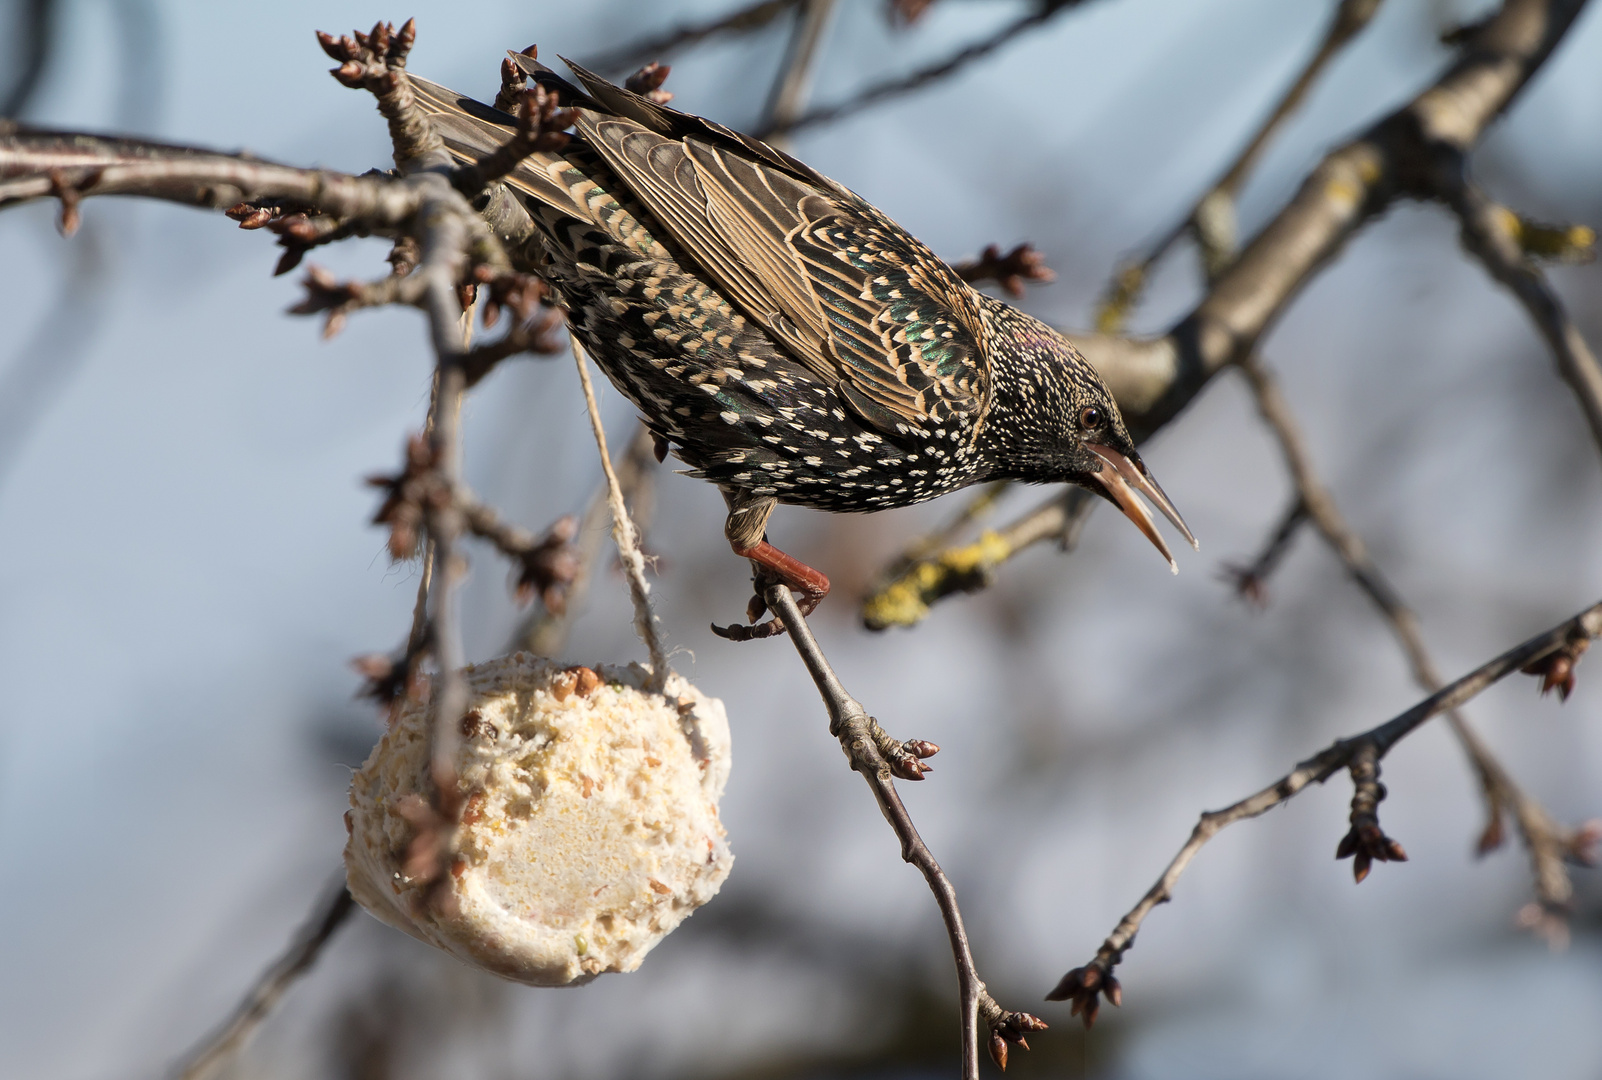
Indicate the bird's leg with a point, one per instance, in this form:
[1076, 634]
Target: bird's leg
[746, 530]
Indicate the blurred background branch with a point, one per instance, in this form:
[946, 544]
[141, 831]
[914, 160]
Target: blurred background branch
[1154, 379]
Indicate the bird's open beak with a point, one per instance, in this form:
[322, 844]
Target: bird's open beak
[1122, 478]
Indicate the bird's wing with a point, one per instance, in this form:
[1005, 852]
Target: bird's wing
[472, 130]
[864, 305]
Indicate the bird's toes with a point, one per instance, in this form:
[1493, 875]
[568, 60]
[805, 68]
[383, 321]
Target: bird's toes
[736, 632]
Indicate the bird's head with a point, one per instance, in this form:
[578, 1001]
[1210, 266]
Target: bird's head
[1061, 424]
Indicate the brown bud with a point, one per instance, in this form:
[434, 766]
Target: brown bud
[330, 46]
[1066, 986]
[373, 666]
[1028, 1022]
[998, 1051]
[289, 260]
[1492, 838]
[1582, 844]
[921, 748]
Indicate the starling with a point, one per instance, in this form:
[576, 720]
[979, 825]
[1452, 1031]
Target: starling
[784, 338]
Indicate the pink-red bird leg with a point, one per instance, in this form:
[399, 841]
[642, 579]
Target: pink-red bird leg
[810, 586]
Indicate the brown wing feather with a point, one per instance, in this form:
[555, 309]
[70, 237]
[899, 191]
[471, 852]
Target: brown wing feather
[865, 306]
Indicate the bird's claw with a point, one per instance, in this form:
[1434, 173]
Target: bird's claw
[762, 579]
[736, 632]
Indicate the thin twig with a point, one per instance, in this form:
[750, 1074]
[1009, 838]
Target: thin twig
[425, 581]
[905, 597]
[924, 76]
[1488, 234]
[752, 17]
[794, 84]
[1546, 841]
[329, 915]
[1212, 219]
[1251, 579]
[1082, 984]
[866, 744]
[628, 546]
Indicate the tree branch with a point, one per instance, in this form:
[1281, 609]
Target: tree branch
[794, 84]
[751, 17]
[1491, 234]
[1081, 985]
[921, 78]
[1154, 379]
[1212, 219]
[879, 758]
[329, 915]
[1547, 842]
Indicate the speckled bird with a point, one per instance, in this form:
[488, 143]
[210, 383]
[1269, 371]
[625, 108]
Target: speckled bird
[784, 338]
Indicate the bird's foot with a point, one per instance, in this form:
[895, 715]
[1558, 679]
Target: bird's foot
[773, 567]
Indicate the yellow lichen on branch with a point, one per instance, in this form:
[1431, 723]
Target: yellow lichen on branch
[905, 599]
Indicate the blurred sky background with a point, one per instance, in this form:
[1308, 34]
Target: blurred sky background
[188, 569]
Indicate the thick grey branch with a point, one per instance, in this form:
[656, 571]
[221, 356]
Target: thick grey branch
[1405, 154]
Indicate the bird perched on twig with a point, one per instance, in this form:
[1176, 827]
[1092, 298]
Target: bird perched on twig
[783, 337]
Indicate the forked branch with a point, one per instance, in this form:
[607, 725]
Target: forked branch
[1408, 154]
[1083, 984]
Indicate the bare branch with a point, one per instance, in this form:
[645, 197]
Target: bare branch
[896, 87]
[546, 564]
[752, 17]
[905, 598]
[879, 758]
[1251, 579]
[1082, 984]
[1010, 271]
[1212, 219]
[376, 62]
[1492, 234]
[329, 915]
[1154, 379]
[541, 125]
[794, 84]
[1548, 843]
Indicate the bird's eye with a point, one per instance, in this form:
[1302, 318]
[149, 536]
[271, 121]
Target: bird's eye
[1090, 417]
